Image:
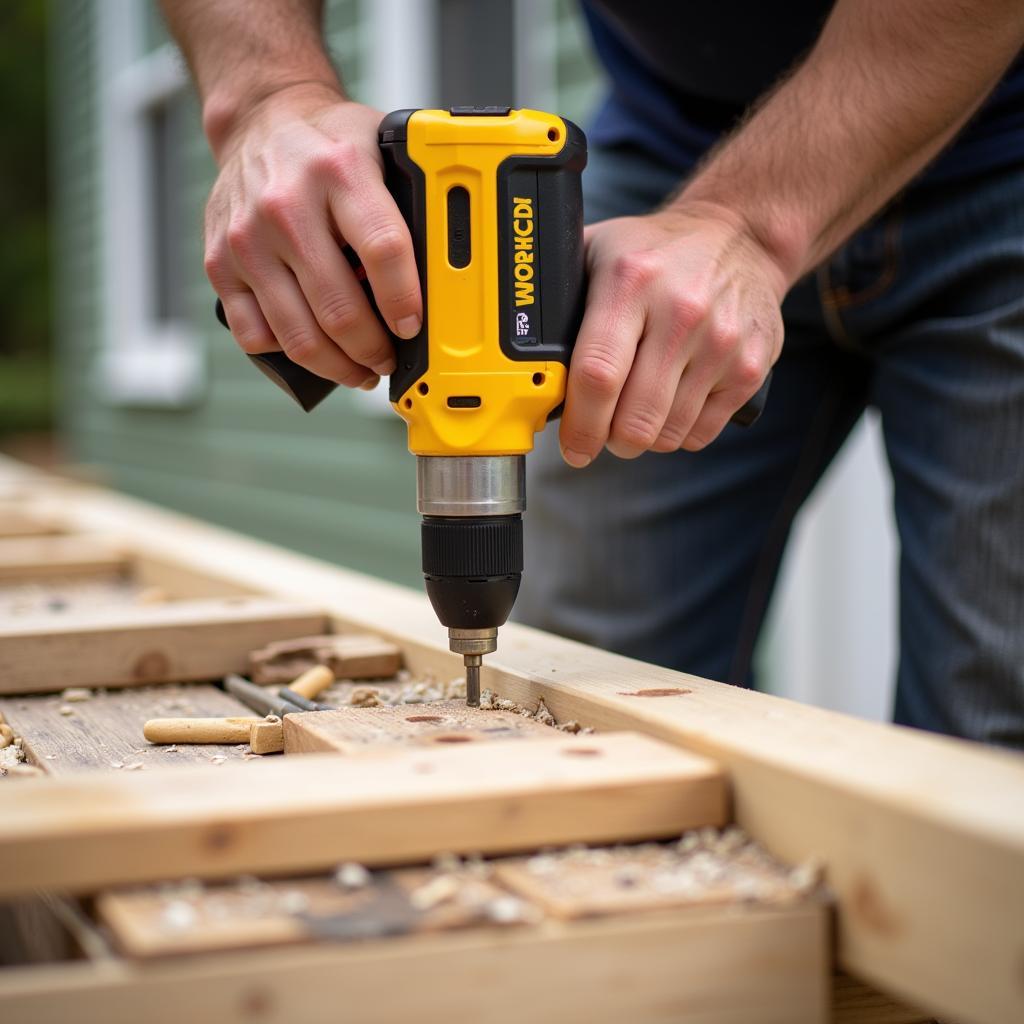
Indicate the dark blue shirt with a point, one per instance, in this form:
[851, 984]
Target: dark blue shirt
[682, 74]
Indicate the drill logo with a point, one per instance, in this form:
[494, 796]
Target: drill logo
[522, 267]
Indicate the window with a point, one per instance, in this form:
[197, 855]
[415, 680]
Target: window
[150, 355]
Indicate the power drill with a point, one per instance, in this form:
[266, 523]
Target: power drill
[493, 202]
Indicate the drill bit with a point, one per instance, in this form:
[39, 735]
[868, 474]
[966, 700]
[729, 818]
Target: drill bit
[472, 663]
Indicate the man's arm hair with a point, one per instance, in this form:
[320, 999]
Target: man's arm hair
[887, 86]
[242, 51]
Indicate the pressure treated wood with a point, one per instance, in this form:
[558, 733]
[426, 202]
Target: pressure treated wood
[35, 558]
[708, 967]
[362, 730]
[105, 732]
[922, 837]
[182, 641]
[307, 813]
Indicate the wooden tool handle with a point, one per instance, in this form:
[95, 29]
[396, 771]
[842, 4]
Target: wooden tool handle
[199, 730]
[313, 682]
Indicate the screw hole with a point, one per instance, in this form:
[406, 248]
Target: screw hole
[582, 751]
[408, 403]
[553, 134]
[538, 379]
[453, 737]
[422, 387]
[424, 718]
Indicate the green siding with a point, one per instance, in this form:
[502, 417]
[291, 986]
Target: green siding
[338, 483]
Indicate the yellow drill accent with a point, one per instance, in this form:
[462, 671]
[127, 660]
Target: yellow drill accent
[465, 356]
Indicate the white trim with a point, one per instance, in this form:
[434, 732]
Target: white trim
[141, 361]
[400, 43]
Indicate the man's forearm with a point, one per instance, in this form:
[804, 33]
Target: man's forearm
[241, 51]
[887, 86]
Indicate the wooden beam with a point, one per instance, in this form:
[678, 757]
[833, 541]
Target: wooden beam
[182, 641]
[360, 730]
[308, 813]
[922, 837]
[34, 558]
[709, 967]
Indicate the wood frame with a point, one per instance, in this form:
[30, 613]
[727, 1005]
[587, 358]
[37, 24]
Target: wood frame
[922, 837]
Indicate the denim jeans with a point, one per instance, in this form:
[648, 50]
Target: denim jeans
[673, 558]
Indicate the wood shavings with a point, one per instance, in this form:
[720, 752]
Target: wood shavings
[10, 757]
[134, 766]
[218, 759]
[76, 694]
[23, 770]
[117, 764]
[508, 910]
[66, 709]
[351, 876]
[177, 916]
[6, 735]
[438, 890]
[365, 697]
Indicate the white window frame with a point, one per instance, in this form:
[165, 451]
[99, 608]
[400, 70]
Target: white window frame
[142, 360]
[401, 47]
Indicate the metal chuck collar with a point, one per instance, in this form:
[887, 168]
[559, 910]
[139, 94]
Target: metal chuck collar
[472, 543]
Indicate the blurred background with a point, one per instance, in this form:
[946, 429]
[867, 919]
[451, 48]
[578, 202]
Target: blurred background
[111, 361]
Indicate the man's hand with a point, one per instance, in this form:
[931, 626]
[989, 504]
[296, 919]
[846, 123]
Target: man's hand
[681, 328]
[300, 177]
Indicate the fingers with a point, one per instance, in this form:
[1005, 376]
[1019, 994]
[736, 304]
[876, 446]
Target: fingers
[291, 320]
[611, 328]
[338, 302]
[247, 322]
[369, 220]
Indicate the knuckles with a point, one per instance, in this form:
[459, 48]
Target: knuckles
[337, 315]
[385, 244]
[598, 374]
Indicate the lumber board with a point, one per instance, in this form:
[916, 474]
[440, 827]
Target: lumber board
[155, 922]
[855, 1003]
[183, 641]
[15, 522]
[40, 557]
[286, 814]
[104, 733]
[655, 969]
[916, 830]
[359, 730]
[351, 656]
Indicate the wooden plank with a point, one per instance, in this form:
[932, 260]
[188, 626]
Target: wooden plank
[39, 557]
[178, 581]
[651, 968]
[896, 816]
[181, 641]
[169, 920]
[305, 813]
[855, 1003]
[348, 656]
[15, 522]
[104, 733]
[358, 730]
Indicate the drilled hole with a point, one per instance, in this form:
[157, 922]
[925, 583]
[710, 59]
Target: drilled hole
[453, 738]
[538, 379]
[424, 718]
[582, 751]
[422, 387]
[553, 134]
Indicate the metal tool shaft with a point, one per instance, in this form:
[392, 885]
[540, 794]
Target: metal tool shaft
[472, 663]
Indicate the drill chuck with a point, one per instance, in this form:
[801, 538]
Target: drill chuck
[472, 544]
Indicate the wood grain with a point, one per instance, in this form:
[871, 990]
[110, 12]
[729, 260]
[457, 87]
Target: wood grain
[182, 641]
[306, 813]
[106, 730]
[652, 968]
[359, 730]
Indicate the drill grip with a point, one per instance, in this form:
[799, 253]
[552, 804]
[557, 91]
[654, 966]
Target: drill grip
[308, 390]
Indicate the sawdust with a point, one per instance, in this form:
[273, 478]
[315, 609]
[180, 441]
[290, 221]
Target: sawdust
[75, 695]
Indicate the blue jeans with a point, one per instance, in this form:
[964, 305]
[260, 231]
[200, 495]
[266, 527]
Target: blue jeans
[673, 558]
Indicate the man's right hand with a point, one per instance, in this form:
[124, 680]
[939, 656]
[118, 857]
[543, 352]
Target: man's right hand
[300, 177]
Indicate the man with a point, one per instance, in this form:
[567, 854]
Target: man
[736, 170]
